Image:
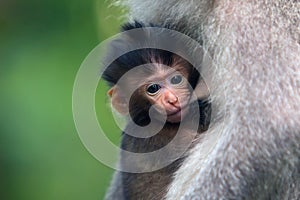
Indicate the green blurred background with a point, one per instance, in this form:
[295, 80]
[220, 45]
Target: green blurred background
[42, 44]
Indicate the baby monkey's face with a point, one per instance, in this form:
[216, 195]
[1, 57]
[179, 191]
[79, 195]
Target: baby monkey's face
[169, 92]
[167, 89]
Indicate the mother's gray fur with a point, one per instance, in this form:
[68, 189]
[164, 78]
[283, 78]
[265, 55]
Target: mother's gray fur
[255, 45]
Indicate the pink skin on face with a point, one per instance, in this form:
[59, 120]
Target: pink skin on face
[174, 108]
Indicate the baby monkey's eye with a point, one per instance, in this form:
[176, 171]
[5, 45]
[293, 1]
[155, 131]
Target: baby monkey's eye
[153, 89]
[176, 79]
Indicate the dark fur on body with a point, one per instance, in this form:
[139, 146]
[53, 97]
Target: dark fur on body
[149, 185]
[152, 185]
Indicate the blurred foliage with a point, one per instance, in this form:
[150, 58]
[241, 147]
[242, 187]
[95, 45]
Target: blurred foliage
[42, 44]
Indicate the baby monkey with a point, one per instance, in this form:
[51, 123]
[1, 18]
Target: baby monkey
[155, 87]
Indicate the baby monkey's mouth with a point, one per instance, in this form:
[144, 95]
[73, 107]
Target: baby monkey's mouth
[177, 115]
[174, 112]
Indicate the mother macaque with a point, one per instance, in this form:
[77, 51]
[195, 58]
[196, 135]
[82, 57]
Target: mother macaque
[252, 150]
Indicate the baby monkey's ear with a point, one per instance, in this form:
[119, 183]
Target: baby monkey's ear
[118, 100]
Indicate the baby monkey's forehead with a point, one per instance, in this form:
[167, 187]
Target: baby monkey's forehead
[155, 71]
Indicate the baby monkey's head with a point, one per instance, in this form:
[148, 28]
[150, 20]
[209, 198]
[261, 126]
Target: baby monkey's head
[149, 78]
[155, 78]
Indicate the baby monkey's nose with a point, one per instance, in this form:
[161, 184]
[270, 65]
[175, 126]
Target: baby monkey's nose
[170, 97]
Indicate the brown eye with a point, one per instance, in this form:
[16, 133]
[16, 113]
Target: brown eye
[153, 89]
[176, 79]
